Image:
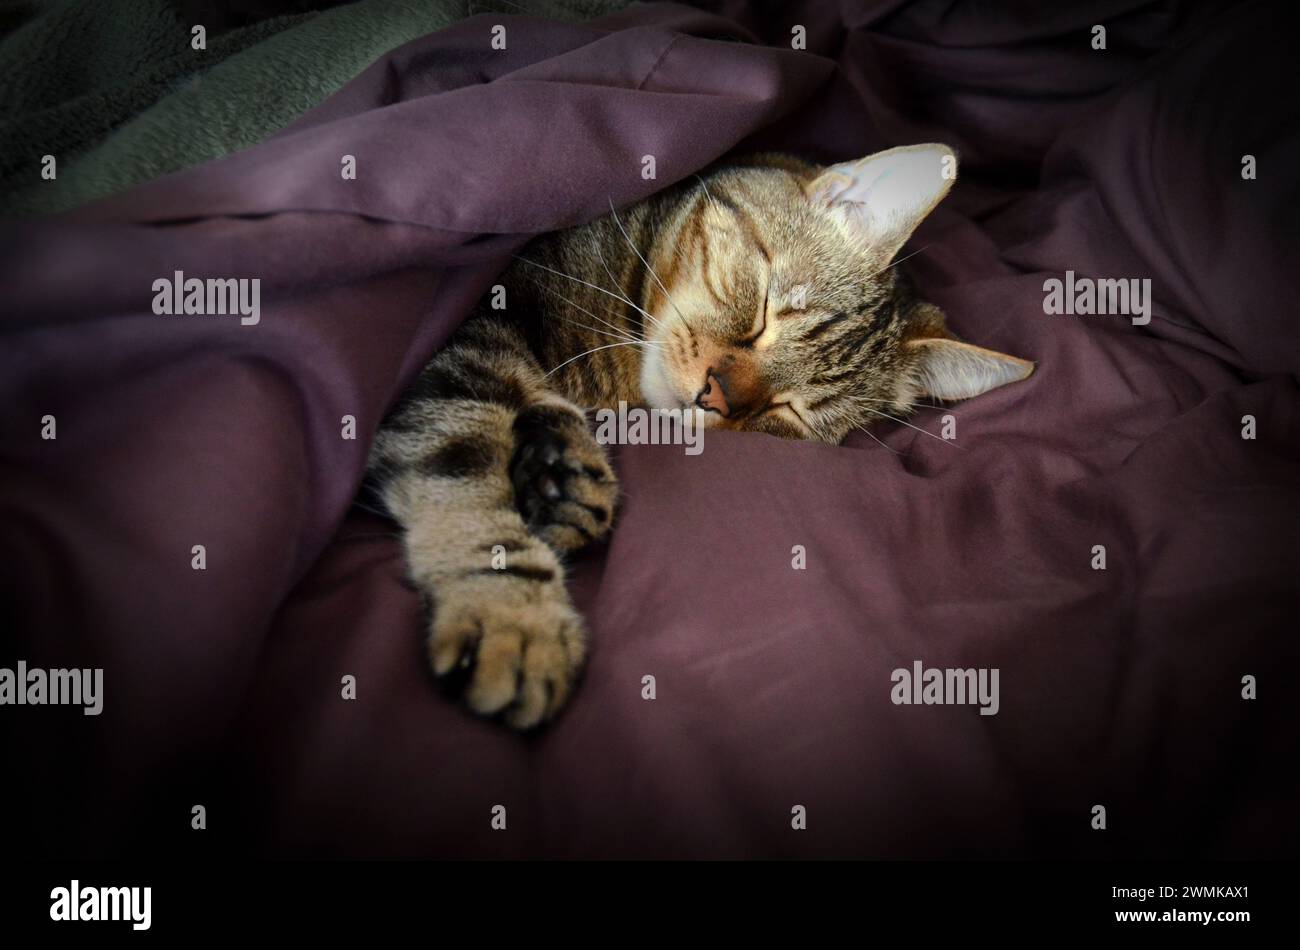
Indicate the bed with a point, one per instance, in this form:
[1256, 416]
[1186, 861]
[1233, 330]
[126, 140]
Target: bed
[1160, 687]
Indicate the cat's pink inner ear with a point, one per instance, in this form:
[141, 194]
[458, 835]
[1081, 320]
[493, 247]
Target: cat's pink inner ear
[883, 197]
[950, 369]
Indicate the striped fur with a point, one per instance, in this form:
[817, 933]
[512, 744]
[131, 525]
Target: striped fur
[691, 298]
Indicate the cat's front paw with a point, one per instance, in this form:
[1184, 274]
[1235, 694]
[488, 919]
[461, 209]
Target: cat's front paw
[519, 659]
[564, 486]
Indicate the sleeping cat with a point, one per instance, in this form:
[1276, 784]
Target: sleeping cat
[759, 295]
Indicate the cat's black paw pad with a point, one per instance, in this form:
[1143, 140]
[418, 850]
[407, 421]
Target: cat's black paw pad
[538, 474]
[564, 487]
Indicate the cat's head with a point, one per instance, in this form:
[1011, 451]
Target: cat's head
[779, 310]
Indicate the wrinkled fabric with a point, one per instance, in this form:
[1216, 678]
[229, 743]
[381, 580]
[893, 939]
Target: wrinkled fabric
[1119, 687]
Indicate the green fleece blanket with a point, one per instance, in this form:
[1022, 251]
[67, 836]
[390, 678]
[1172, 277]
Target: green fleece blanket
[118, 95]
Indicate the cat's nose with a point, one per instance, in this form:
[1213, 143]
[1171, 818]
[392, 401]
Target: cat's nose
[714, 395]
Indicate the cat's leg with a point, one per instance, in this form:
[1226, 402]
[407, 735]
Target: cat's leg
[492, 476]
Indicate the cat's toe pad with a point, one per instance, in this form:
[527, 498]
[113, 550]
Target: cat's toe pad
[564, 487]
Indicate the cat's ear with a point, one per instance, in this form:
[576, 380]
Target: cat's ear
[950, 369]
[881, 199]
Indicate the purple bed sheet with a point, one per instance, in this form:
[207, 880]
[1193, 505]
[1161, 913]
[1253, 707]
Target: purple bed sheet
[1120, 687]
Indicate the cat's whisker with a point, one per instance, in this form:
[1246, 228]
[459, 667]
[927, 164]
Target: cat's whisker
[625, 332]
[705, 185]
[374, 511]
[612, 336]
[930, 405]
[619, 287]
[649, 269]
[873, 436]
[917, 428]
[594, 349]
[610, 274]
[900, 260]
[618, 315]
[579, 280]
[619, 332]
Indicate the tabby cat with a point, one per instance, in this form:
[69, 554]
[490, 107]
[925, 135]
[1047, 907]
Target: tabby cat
[759, 295]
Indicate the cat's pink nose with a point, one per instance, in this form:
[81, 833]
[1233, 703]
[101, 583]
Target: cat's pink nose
[713, 396]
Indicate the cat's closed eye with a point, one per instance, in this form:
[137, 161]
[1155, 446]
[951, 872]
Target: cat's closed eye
[755, 336]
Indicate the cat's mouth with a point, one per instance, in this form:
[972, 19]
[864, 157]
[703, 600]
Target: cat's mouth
[660, 391]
